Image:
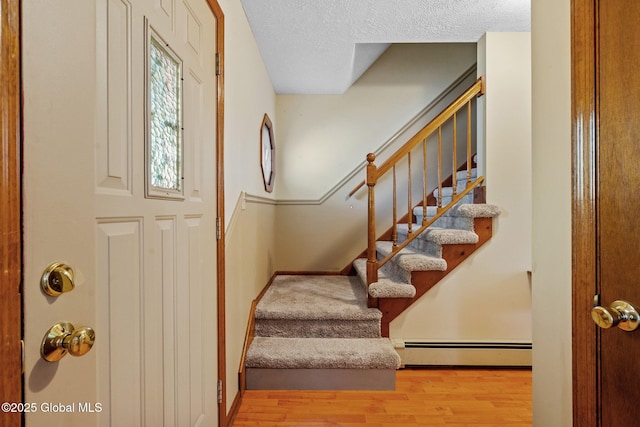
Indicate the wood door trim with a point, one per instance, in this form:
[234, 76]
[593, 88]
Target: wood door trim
[10, 210]
[220, 260]
[584, 204]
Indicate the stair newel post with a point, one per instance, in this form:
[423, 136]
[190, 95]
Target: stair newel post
[372, 261]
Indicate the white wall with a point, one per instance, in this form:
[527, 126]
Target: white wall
[488, 297]
[321, 138]
[551, 56]
[248, 96]
[250, 239]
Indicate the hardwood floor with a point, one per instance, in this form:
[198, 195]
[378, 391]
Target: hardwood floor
[423, 397]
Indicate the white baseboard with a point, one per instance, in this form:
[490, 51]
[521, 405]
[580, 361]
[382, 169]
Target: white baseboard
[463, 353]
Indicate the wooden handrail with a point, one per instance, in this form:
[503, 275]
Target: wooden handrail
[355, 189]
[374, 173]
[477, 89]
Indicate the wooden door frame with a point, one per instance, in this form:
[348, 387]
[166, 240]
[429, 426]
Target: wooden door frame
[584, 124]
[11, 209]
[220, 221]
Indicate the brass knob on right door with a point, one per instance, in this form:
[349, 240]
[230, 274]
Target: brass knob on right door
[622, 314]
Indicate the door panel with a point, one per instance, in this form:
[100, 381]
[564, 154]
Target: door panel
[619, 179]
[113, 153]
[119, 282]
[145, 268]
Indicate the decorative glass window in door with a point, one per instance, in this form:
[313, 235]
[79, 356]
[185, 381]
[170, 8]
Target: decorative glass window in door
[164, 161]
[267, 154]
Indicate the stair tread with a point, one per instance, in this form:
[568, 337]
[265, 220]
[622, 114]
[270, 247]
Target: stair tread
[387, 286]
[315, 297]
[322, 353]
[478, 210]
[442, 236]
[412, 259]
[450, 236]
[465, 210]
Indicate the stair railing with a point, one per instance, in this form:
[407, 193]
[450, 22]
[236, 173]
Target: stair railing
[374, 173]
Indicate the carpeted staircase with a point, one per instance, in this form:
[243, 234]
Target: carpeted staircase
[455, 227]
[316, 332]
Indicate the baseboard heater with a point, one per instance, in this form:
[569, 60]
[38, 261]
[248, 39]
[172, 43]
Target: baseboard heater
[463, 353]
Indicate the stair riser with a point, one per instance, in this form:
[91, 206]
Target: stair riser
[320, 379]
[453, 222]
[393, 269]
[446, 199]
[321, 328]
[462, 175]
[447, 191]
[462, 180]
[432, 210]
[427, 247]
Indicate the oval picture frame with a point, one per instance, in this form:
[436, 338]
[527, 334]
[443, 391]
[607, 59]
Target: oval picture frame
[267, 153]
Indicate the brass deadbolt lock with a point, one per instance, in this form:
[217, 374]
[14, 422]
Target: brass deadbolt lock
[57, 279]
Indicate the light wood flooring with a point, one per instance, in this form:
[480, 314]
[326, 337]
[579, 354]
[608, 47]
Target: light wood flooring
[423, 397]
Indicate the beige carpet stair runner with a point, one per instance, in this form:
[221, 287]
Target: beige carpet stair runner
[316, 332]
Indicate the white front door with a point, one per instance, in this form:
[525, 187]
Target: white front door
[119, 184]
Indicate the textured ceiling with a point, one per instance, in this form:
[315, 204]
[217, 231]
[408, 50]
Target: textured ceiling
[323, 46]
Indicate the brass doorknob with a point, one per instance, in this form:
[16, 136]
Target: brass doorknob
[621, 314]
[63, 338]
[57, 279]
